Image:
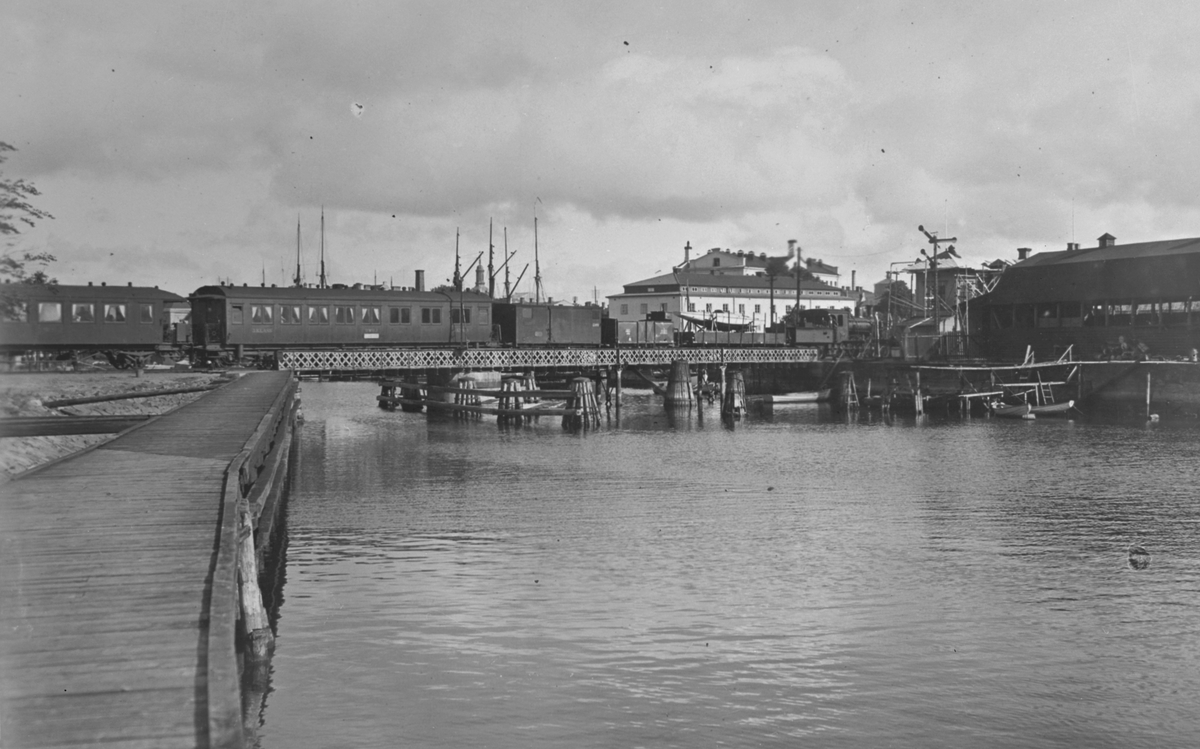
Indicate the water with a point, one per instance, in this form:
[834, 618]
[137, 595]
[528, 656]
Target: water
[672, 583]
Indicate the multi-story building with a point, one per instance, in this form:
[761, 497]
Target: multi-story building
[731, 286]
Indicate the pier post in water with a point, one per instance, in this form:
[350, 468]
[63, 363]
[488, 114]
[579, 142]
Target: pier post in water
[254, 614]
[733, 403]
[679, 387]
[584, 403]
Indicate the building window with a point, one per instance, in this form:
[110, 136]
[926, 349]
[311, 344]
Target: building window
[708, 307]
[370, 315]
[757, 309]
[624, 309]
[691, 306]
[716, 262]
[147, 313]
[82, 313]
[741, 309]
[663, 306]
[289, 314]
[114, 313]
[318, 315]
[645, 308]
[725, 307]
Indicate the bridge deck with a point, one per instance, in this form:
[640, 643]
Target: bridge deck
[105, 567]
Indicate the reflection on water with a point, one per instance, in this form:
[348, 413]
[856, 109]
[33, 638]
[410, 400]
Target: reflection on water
[671, 581]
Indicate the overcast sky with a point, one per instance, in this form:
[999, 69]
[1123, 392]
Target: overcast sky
[178, 144]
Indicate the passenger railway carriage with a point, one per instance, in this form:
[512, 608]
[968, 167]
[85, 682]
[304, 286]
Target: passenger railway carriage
[233, 322]
[121, 323]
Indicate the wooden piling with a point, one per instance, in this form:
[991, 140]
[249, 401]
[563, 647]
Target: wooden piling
[733, 404]
[583, 404]
[679, 387]
[255, 624]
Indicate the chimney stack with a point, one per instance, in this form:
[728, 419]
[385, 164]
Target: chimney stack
[419, 281]
[791, 246]
[480, 285]
[687, 253]
[1023, 252]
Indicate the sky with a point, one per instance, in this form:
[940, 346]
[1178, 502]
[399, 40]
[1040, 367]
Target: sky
[180, 144]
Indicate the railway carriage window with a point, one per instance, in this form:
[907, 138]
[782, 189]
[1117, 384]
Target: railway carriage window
[343, 315]
[318, 315]
[460, 315]
[261, 314]
[49, 311]
[82, 313]
[426, 315]
[406, 315]
[114, 313]
[482, 318]
[370, 315]
[289, 314]
[147, 313]
[437, 315]
[16, 311]
[235, 314]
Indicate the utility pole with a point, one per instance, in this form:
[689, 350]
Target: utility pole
[932, 257]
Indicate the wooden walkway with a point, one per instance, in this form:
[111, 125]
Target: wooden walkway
[107, 563]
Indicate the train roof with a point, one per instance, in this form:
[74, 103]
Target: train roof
[349, 293]
[89, 291]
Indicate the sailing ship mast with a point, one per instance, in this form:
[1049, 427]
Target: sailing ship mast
[298, 280]
[457, 275]
[324, 283]
[537, 267]
[507, 257]
[491, 270]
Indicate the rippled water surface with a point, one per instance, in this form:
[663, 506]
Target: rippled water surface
[794, 581]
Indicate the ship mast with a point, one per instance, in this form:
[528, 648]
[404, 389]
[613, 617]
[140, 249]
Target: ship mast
[507, 287]
[324, 284]
[537, 267]
[298, 280]
[457, 275]
[491, 256]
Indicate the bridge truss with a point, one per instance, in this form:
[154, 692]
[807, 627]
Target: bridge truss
[389, 360]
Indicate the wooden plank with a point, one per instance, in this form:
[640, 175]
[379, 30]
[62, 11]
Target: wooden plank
[41, 426]
[126, 396]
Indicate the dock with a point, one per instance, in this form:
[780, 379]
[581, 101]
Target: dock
[119, 575]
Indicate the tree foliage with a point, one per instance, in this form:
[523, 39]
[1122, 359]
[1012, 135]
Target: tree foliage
[15, 210]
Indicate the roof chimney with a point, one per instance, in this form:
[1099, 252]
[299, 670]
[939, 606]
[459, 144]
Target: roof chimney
[1107, 240]
[687, 253]
[419, 280]
[1023, 252]
[791, 246]
[1072, 246]
[479, 282]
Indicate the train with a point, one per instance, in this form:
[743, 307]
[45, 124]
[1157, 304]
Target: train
[226, 325]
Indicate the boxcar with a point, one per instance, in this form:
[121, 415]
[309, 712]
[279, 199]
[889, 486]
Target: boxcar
[258, 318]
[547, 324]
[59, 317]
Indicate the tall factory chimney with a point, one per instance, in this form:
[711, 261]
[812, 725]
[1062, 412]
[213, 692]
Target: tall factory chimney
[419, 281]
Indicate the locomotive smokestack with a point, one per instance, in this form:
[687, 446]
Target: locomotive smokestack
[419, 281]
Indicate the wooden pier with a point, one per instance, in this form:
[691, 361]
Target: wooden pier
[119, 576]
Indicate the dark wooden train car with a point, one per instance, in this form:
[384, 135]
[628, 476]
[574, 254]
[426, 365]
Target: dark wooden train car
[237, 319]
[547, 324]
[67, 318]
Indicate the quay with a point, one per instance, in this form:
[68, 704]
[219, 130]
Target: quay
[126, 568]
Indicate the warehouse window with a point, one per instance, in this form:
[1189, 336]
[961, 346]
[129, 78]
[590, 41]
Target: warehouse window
[147, 313]
[82, 313]
[691, 306]
[114, 313]
[343, 315]
[289, 314]
[370, 315]
[50, 311]
[757, 309]
[645, 308]
[624, 309]
[318, 315]
[741, 309]
[708, 307]
[260, 314]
